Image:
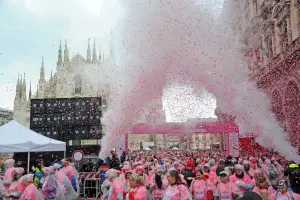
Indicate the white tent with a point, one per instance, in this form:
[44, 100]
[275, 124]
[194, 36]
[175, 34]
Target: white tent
[17, 138]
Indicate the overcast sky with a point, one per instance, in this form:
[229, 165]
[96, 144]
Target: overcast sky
[31, 29]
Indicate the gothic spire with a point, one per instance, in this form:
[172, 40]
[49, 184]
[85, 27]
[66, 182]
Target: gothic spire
[99, 53]
[66, 53]
[94, 52]
[29, 96]
[88, 56]
[37, 91]
[24, 88]
[42, 72]
[59, 60]
[18, 87]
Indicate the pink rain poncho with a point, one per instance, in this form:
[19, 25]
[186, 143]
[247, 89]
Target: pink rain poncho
[177, 192]
[199, 189]
[226, 190]
[157, 193]
[69, 191]
[17, 187]
[243, 182]
[285, 196]
[117, 188]
[139, 193]
[30, 192]
[9, 173]
[263, 192]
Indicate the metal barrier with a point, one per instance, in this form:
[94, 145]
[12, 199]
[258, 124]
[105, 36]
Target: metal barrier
[89, 184]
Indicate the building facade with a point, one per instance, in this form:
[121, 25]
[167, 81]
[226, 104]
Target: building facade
[5, 116]
[74, 77]
[270, 30]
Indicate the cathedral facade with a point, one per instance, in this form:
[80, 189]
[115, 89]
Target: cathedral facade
[270, 30]
[77, 76]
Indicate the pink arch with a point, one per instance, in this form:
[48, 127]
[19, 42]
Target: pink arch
[229, 128]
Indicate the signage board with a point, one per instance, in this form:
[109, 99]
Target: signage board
[78, 155]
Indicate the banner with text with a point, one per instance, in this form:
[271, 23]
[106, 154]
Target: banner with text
[233, 144]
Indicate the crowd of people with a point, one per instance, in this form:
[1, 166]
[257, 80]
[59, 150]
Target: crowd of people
[202, 175]
[163, 175]
[58, 181]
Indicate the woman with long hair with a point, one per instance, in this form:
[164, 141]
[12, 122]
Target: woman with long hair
[262, 187]
[176, 189]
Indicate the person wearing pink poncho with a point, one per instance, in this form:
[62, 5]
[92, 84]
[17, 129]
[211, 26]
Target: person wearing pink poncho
[69, 191]
[116, 189]
[70, 172]
[226, 190]
[30, 192]
[262, 187]
[9, 173]
[140, 170]
[138, 191]
[200, 186]
[158, 183]
[176, 190]
[17, 187]
[283, 193]
[241, 179]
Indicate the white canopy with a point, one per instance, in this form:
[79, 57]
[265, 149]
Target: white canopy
[17, 138]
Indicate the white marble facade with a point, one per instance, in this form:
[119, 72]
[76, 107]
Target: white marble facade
[77, 76]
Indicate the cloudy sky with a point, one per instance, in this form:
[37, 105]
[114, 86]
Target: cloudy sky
[31, 29]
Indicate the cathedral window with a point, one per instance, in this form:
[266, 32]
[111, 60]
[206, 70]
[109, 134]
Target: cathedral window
[284, 36]
[269, 47]
[78, 84]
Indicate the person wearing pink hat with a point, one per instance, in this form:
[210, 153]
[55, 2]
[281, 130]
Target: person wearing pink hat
[16, 188]
[9, 173]
[158, 183]
[140, 170]
[30, 192]
[124, 170]
[70, 172]
[176, 189]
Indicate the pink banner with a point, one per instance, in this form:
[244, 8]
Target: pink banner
[233, 144]
[184, 128]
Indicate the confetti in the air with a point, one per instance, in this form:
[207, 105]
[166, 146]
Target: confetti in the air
[184, 42]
